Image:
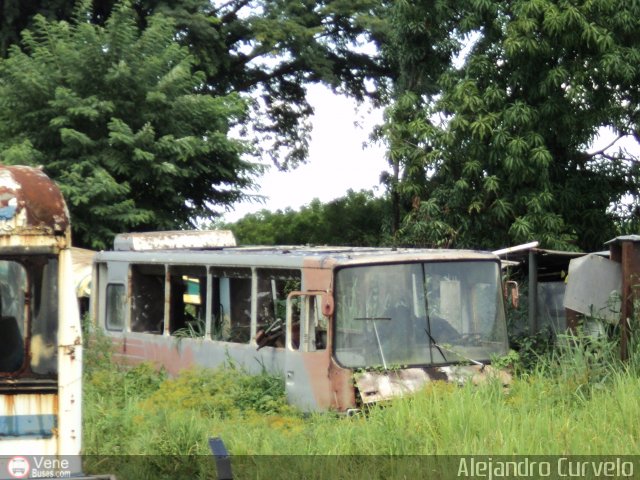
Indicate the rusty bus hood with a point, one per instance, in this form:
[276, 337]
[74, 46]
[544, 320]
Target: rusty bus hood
[385, 385]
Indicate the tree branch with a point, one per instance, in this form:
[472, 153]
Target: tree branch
[231, 13]
[601, 151]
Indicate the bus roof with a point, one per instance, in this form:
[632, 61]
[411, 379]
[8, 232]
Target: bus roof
[293, 256]
[30, 203]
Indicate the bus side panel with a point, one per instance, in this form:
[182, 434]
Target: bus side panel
[314, 382]
[176, 354]
[69, 361]
[310, 382]
[29, 424]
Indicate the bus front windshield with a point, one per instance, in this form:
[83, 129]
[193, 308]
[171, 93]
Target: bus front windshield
[28, 316]
[427, 313]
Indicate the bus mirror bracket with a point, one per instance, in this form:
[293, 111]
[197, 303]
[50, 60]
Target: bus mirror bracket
[327, 304]
[511, 290]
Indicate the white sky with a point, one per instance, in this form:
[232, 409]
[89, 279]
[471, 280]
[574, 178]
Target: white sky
[337, 160]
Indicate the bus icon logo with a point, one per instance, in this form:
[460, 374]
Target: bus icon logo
[18, 467]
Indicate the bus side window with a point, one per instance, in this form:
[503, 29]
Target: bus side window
[274, 285]
[147, 298]
[240, 295]
[319, 324]
[231, 304]
[188, 298]
[308, 324]
[115, 307]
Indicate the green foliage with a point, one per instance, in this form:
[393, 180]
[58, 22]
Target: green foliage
[221, 393]
[491, 142]
[115, 116]
[269, 49]
[571, 412]
[358, 219]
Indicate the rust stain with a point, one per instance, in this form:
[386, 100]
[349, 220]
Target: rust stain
[30, 203]
[166, 355]
[342, 387]
[9, 404]
[172, 359]
[317, 368]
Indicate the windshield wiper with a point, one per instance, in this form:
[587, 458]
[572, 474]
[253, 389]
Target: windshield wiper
[475, 362]
[433, 342]
[375, 331]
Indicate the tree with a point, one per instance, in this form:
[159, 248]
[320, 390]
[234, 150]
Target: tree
[357, 219]
[117, 117]
[494, 142]
[269, 49]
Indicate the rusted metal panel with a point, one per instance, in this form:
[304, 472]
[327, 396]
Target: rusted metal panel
[30, 203]
[179, 239]
[626, 250]
[342, 387]
[379, 386]
[30, 424]
[293, 257]
[176, 354]
[308, 381]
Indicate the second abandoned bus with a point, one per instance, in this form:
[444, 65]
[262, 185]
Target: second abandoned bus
[346, 326]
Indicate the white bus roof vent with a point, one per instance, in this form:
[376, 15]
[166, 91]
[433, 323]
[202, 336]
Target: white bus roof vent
[172, 240]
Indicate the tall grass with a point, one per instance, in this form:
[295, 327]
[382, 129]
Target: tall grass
[578, 400]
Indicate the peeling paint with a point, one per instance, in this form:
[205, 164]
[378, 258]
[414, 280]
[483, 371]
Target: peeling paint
[378, 386]
[30, 203]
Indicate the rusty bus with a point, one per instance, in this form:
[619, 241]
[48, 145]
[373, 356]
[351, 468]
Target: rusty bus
[345, 326]
[40, 336]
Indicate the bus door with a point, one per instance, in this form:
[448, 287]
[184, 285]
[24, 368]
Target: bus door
[307, 357]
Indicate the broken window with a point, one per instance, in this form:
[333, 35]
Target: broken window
[274, 286]
[240, 307]
[13, 322]
[188, 299]
[308, 323]
[231, 304]
[147, 298]
[44, 314]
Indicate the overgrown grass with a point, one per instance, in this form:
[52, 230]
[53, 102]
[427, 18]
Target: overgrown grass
[578, 400]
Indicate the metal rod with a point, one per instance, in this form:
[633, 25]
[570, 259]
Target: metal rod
[223, 460]
[375, 329]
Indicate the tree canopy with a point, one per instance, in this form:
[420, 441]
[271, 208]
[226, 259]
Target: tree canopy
[496, 106]
[357, 219]
[268, 49]
[134, 106]
[115, 117]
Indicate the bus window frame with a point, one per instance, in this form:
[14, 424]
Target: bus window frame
[123, 307]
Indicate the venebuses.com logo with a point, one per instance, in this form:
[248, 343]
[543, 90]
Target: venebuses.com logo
[18, 467]
[38, 467]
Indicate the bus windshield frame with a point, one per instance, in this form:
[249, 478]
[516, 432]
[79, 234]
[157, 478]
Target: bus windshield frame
[397, 315]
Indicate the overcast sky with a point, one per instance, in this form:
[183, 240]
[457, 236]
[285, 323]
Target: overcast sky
[337, 160]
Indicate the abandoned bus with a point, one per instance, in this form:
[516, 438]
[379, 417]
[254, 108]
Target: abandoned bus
[40, 337]
[345, 326]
